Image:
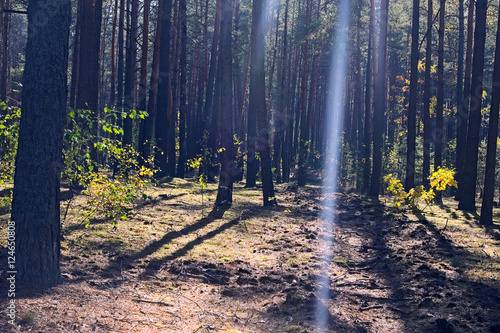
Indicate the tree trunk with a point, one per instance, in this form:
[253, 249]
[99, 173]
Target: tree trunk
[153, 88]
[130, 73]
[163, 99]
[440, 131]
[257, 104]
[379, 101]
[252, 162]
[209, 100]
[486, 217]
[412, 107]
[75, 66]
[112, 89]
[426, 168]
[143, 79]
[120, 67]
[464, 112]
[469, 177]
[182, 94]
[225, 190]
[4, 66]
[35, 204]
[304, 128]
[368, 102]
[88, 73]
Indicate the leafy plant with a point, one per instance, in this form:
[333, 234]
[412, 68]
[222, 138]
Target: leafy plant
[9, 133]
[440, 179]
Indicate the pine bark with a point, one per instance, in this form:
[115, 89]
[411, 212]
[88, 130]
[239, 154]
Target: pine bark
[35, 205]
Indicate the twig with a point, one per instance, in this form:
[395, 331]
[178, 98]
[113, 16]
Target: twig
[366, 308]
[445, 225]
[151, 302]
[67, 207]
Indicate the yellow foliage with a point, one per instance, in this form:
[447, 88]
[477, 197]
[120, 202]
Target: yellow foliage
[439, 180]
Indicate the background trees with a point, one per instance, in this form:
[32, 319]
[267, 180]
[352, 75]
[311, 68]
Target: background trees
[227, 81]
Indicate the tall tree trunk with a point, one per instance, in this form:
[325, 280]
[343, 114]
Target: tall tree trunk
[130, 72]
[358, 96]
[174, 89]
[440, 131]
[460, 84]
[112, 89]
[257, 102]
[379, 101]
[153, 88]
[209, 100]
[283, 96]
[426, 168]
[163, 103]
[75, 66]
[368, 102]
[182, 97]
[143, 80]
[252, 162]
[412, 107]
[35, 204]
[464, 112]
[469, 176]
[4, 66]
[304, 128]
[486, 217]
[88, 76]
[225, 190]
[121, 64]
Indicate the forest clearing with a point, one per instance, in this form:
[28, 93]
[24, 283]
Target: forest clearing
[175, 266]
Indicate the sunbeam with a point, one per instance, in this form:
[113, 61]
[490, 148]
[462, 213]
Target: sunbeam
[334, 132]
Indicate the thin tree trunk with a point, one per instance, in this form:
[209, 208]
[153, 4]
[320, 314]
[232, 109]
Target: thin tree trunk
[4, 67]
[379, 101]
[130, 73]
[112, 90]
[412, 108]
[183, 105]
[368, 102]
[304, 130]
[464, 112]
[153, 88]
[143, 80]
[427, 99]
[440, 131]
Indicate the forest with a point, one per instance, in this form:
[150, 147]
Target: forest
[249, 166]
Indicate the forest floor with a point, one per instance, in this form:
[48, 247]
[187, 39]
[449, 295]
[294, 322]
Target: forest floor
[176, 266]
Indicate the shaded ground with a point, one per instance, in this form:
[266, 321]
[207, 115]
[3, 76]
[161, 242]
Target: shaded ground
[174, 266]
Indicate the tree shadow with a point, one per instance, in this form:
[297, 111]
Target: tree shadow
[114, 268]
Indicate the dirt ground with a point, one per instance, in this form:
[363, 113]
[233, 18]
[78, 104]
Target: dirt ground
[176, 266]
